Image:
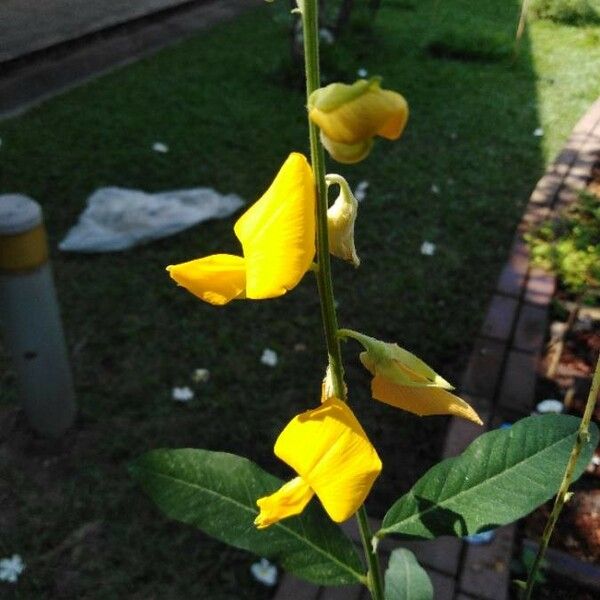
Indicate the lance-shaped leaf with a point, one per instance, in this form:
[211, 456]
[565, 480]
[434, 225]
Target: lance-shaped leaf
[406, 579]
[500, 477]
[217, 492]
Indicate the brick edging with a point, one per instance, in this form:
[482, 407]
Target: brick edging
[499, 382]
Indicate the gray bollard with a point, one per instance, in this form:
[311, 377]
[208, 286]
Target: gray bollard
[30, 318]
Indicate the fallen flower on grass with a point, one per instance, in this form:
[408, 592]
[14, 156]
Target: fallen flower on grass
[201, 375]
[182, 394]
[160, 147]
[264, 572]
[428, 248]
[538, 132]
[435, 189]
[362, 72]
[360, 193]
[269, 357]
[11, 568]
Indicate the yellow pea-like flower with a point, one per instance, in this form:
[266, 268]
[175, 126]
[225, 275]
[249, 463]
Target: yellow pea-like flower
[349, 116]
[341, 217]
[403, 380]
[334, 459]
[277, 234]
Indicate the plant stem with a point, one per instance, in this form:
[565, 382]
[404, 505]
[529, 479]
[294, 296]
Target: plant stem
[374, 574]
[563, 491]
[310, 20]
[310, 23]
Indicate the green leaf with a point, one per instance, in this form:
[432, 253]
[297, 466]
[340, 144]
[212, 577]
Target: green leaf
[500, 477]
[406, 579]
[217, 493]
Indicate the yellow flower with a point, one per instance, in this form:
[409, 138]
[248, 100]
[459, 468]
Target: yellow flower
[349, 116]
[277, 234]
[403, 380]
[334, 459]
[341, 217]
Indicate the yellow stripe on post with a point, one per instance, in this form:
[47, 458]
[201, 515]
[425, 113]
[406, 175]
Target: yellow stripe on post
[24, 251]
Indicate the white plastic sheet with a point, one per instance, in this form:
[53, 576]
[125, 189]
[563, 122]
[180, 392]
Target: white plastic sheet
[117, 218]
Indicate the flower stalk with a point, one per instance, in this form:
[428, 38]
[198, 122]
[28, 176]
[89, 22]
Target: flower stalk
[563, 492]
[310, 23]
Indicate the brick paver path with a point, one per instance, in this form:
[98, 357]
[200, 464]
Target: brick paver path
[499, 382]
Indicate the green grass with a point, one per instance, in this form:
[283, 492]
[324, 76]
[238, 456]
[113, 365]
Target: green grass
[133, 335]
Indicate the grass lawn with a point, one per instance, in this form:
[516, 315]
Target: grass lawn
[84, 529]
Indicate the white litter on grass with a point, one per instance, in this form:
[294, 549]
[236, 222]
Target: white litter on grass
[269, 357]
[428, 248]
[362, 72]
[538, 132]
[118, 218]
[435, 189]
[360, 193]
[264, 572]
[182, 394]
[160, 147]
[11, 568]
[596, 460]
[200, 375]
[326, 36]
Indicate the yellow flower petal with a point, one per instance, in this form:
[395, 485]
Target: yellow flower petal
[329, 449]
[347, 154]
[216, 279]
[422, 401]
[288, 501]
[278, 231]
[349, 114]
[341, 217]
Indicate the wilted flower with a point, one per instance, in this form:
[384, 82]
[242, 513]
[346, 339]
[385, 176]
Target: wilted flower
[341, 217]
[277, 234]
[334, 459]
[349, 116]
[403, 380]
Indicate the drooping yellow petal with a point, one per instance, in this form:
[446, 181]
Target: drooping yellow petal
[216, 279]
[349, 114]
[278, 231]
[341, 217]
[347, 154]
[422, 401]
[289, 500]
[330, 451]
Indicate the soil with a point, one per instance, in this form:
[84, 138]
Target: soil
[578, 529]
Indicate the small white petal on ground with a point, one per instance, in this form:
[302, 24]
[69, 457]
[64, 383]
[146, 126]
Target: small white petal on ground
[435, 189]
[160, 147]
[269, 357]
[326, 36]
[362, 72]
[538, 132]
[360, 192]
[11, 568]
[182, 394]
[428, 248]
[200, 375]
[264, 572]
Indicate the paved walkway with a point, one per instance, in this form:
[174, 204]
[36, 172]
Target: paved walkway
[49, 46]
[499, 383]
[30, 25]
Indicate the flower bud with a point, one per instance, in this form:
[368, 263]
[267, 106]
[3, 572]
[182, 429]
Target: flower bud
[341, 217]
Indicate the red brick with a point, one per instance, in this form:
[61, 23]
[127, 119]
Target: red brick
[518, 382]
[512, 277]
[540, 287]
[499, 318]
[546, 189]
[292, 588]
[531, 328]
[483, 371]
[486, 568]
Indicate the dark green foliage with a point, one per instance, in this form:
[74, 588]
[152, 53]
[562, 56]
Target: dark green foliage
[570, 12]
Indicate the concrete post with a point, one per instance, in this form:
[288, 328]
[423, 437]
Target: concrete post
[30, 318]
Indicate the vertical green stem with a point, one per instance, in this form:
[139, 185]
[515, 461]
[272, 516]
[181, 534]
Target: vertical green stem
[310, 22]
[563, 492]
